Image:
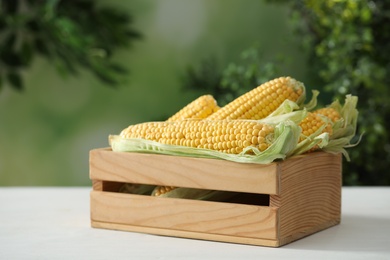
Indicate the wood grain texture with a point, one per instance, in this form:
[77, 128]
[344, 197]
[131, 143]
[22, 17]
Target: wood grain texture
[183, 172]
[310, 195]
[186, 215]
[187, 234]
[305, 197]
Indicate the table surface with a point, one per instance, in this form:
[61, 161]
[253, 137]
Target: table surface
[54, 223]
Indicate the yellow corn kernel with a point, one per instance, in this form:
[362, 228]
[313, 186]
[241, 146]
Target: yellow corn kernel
[329, 112]
[261, 101]
[310, 124]
[200, 108]
[191, 133]
[160, 190]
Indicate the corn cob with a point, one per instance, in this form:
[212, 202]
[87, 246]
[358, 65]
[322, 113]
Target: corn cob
[160, 190]
[190, 193]
[312, 123]
[229, 146]
[262, 101]
[140, 189]
[228, 136]
[201, 107]
[256, 104]
[329, 112]
[315, 120]
[320, 118]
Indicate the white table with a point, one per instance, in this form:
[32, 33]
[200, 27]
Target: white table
[53, 223]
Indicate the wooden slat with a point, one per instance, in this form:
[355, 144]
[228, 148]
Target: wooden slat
[184, 215]
[183, 172]
[305, 197]
[310, 195]
[187, 234]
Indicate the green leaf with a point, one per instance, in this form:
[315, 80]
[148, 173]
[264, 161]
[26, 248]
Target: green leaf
[15, 80]
[1, 83]
[106, 78]
[42, 47]
[117, 68]
[11, 59]
[27, 53]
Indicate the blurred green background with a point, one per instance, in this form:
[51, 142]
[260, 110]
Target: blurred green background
[48, 128]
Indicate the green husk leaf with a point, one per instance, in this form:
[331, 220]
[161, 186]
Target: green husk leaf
[187, 193]
[316, 139]
[344, 129]
[313, 101]
[289, 106]
[284, 139]
[300, 85]
[286, 107]
[141, 189]
[349, 114]
[294, 116]
[198, 194]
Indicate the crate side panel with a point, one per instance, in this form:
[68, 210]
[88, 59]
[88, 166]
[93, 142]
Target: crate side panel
[310, 195]
[183, 172]
[184, 215]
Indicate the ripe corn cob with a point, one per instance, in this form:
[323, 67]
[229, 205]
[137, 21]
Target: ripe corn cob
[190, 193]
[140, 189]
[228, 136]
[256, 104]
[329, 112]
[262, 101]
[227, 146]
[161, 190]
[311, 123]
[201, 107]
[314, 121]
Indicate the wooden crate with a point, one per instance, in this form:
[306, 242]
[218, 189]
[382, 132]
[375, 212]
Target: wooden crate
[302, 196]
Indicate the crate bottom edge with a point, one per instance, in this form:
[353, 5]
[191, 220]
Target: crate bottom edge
[214, 237]
[187, 234]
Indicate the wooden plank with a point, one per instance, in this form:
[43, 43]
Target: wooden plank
[183, 172]
[310, 195]
[305, 197]
[184, 215]
[187, 234]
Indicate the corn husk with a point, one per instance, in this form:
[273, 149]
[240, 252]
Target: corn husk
[343, 131]
[284, 139]
[197, 194]
[140, 189]
[289, 106]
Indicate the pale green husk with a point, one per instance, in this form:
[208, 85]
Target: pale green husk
[198, 194]
[286, 120]
[284, 140]
[289, 106]
[343, 131]
[313, 101]
[141, 189]
[316, 139]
